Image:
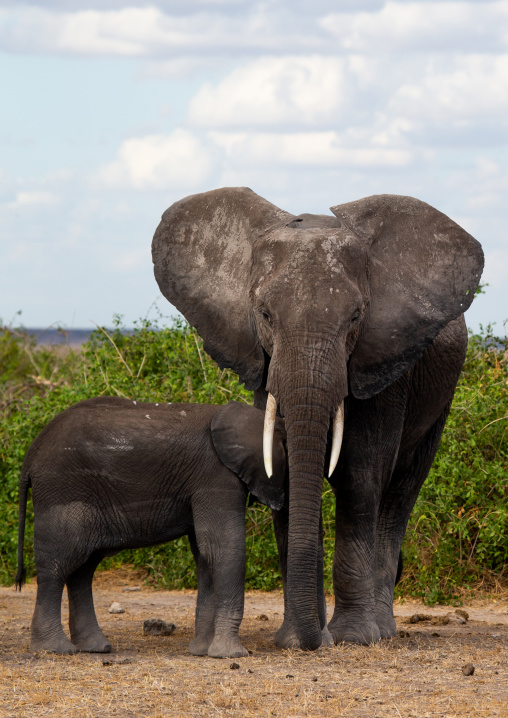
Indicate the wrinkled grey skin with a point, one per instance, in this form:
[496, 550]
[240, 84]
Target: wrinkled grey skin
[109, 474]
[364, 306]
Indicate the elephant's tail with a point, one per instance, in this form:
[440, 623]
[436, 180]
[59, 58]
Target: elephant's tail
[24, 485]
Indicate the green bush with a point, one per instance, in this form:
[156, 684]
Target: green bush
[458, 532]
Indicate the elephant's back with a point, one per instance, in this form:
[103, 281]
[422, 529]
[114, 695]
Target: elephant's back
[111, 436]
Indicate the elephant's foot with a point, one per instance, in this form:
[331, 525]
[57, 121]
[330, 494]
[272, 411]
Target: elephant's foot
[386, 623]
[348, 631]
[92, 643]
[58, 644]
[227, 647]
[327, 641]
[286, 636]
[200, 644]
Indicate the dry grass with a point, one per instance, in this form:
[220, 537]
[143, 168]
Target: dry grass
[416, 676]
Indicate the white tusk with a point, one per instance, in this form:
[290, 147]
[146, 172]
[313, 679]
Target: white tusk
[271, 411]
[338, 431]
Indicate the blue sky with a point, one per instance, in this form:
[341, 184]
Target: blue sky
[113, 110]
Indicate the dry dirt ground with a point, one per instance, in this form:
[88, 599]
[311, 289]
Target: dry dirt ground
[417, 674]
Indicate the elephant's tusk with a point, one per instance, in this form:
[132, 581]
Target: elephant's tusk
[271, 411]
[338, 431]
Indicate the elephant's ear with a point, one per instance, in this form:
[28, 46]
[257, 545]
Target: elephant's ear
[201, 253]
[237, 435]
[424, 270]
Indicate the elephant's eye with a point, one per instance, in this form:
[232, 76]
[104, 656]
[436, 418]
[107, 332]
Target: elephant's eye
[355, 317]
[266, 316]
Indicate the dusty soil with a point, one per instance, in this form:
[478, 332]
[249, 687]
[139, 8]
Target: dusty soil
[417, 674]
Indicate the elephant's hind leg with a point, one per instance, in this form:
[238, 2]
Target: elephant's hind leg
[47, 633]
[86, 634]
[398, 501]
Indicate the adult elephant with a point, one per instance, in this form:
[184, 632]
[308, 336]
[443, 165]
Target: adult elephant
[357, 316]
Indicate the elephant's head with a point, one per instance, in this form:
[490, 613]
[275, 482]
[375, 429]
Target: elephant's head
[237, 436]
[312, 308]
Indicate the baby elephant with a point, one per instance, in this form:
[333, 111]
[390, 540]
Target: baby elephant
[110, 474]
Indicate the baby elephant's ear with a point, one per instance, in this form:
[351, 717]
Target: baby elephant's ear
[237, 435]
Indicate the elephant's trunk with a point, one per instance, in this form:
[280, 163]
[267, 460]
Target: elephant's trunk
[309, 384]
[307, 423]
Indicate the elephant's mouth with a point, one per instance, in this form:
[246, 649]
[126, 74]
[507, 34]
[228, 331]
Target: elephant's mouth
[269, 428]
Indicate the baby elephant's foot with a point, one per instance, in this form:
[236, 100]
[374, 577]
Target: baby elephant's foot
[92, 643]
[199, 646]
[227, 647]
[286, 636]
[60, 644]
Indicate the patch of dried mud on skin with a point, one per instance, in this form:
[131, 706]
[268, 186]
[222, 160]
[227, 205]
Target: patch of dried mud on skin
[415, 676]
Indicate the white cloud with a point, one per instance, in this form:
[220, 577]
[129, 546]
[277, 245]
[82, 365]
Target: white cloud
[112, 32]
[164, 29]
[427, 101]
[416, 26]
[287, 90]
[471, 88]
[144, 31]
[158, 162]
[325, 149]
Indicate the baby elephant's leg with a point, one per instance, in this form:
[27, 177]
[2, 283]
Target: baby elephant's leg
[55, 558]
[85, 632]
[47, 633]
[221, 541]
[205, 605]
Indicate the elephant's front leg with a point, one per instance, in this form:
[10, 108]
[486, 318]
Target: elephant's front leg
[369, 452]
[205, 604]
[354, 617]
[286, 635]
[220, 536]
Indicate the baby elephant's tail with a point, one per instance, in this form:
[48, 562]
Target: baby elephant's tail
[24, 485]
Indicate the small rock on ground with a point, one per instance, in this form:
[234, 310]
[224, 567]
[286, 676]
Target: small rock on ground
[468, 669]
[157, 627]
[463, 614]
[116, 608]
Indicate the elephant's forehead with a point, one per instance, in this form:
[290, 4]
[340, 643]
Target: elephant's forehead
[326, 252]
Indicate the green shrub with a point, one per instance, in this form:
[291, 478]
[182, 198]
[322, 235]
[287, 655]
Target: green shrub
[458, 532]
